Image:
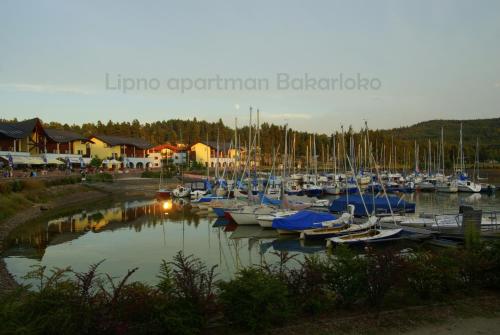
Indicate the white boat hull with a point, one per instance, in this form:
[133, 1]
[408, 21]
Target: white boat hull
[469, 187]
[379, 234]
[243, 218]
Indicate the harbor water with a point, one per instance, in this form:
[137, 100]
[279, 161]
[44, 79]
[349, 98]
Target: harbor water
[142, 233]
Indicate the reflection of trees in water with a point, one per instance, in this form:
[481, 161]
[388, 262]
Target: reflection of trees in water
[134, 215]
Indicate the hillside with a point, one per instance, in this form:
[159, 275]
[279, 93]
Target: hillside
[487, 131]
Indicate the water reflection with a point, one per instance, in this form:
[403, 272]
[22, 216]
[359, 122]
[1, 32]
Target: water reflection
[31, 240]
[142, 233]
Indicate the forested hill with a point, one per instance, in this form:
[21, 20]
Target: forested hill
[487, 131]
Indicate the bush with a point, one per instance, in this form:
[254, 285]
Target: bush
[100, 177]
[96, 162]
[308, 285]
[156, 174]
[347, 277]
[383, 271]
[189, 288]
[255, 299]
[36, 184]
[150, 174]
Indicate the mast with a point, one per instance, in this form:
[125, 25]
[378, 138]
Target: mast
[334, 157]
[250, 141]
[430, 158]
[345, 164]
[258, 137]
[208, 160]
[442, 148]
[285, 157]
[217, 158]
[476, 163]
[293, 153]
[461, 151]
[315, 160]
[416, 157]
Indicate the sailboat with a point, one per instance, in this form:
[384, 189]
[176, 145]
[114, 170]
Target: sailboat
[162, 192]
[366, 236]
[485, 187]
[445, 185]
[464, 183]
[373, 233]
[340, 226]
[181, 191]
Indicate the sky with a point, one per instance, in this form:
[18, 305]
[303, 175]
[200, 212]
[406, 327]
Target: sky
[390, 63]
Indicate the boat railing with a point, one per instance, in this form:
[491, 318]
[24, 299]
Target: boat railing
[492, 223]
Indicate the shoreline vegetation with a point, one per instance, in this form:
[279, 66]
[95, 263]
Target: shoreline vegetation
[189, 298]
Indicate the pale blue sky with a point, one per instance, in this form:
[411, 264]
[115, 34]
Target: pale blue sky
[435, 59]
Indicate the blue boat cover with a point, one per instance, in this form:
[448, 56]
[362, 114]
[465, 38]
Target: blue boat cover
[302, 220]
[268, 201]
[381, 205]
[219, 211]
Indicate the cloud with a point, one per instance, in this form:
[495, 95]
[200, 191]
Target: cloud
[288, 116]
[44, 88]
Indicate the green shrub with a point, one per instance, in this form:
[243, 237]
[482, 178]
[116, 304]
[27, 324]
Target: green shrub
[383, 270]
[189, 288]
[100, 178]
[255, 299]
[156, 174]
[431, 275]
[308, 285]
[348, 276]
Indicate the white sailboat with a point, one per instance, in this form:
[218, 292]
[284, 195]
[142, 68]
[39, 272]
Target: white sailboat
[444, 185]
[464, 183]
[162, 192]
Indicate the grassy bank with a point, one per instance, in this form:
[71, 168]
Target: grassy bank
[189, 298]
[16, 195]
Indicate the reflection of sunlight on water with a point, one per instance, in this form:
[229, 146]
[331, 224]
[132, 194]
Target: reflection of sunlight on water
[167, 204]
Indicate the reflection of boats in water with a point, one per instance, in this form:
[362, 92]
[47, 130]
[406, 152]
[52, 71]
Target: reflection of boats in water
[252, 231]
[472, 198]
[220, 222]
[291, 245]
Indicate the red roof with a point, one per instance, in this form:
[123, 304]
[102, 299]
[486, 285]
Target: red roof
[165, 146]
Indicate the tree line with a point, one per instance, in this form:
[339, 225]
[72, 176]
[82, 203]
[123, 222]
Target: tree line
[391, 147]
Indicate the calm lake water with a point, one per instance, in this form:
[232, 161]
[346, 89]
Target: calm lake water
[142, 233]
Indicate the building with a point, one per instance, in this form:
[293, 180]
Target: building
[205, 153]
[30, 143]
[106, 146]
[67, 142]
[131, 151]
[25, 136]
[176, 154]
